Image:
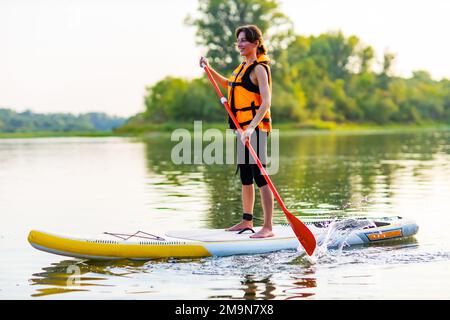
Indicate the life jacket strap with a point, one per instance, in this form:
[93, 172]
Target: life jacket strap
[252, 107]
[248, 122]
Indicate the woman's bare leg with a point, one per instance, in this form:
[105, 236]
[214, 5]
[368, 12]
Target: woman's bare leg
[267, 205]
[248, 201]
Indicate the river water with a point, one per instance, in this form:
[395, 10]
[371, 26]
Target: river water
[91, 185]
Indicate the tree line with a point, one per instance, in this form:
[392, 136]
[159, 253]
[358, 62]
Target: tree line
[28, 121]
[329, 77]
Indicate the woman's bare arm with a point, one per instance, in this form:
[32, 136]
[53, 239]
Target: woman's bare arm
[221, 80]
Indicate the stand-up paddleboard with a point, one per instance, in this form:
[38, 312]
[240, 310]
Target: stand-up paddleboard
[213, 242]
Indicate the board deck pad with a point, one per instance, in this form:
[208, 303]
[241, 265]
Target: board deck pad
[220, 235]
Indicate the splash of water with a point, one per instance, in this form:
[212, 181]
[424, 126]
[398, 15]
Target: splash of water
[330, 245]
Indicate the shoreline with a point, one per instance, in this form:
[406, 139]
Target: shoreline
[317, 127]
[52, 134]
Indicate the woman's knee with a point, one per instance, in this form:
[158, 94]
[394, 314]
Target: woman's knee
[260, 181]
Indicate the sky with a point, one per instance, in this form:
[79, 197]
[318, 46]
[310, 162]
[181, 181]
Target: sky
[100, 55]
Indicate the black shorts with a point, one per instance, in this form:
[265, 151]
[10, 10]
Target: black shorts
[248, 169]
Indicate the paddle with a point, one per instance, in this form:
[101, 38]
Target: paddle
[304, 235]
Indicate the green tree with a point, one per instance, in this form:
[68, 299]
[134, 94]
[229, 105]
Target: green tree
[366, 56]
[327, 77]
[218, 20]
[386, 73]
[333, 53]
[445, 87]
[175, 99]
[29, 121]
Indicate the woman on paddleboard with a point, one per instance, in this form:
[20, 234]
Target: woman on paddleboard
[249, 96]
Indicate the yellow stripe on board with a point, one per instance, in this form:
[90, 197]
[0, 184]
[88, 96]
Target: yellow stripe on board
[119, 250]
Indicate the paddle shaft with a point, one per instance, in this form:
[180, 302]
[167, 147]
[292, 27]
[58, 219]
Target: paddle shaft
[247, 143]
[309, 246]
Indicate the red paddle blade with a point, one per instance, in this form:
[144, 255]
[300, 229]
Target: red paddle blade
[303, 233]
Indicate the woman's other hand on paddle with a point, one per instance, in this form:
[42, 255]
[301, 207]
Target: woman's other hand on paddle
[246, 134]
[203, 60]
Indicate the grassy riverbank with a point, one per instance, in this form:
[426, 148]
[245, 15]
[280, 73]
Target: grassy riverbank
[286, 126]
[283, 127]
[52, 134]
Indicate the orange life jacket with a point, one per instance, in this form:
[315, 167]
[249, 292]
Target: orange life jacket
[244, 95]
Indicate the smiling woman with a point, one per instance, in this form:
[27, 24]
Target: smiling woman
[250, 35]
[249, 94]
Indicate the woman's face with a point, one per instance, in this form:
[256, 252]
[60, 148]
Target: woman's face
[244, 46]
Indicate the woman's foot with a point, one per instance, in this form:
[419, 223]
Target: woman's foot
[241, 225]
[263, 233]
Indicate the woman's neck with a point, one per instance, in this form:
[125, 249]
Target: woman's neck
[250, 58]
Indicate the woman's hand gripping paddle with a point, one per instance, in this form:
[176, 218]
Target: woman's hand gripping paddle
[304, 235]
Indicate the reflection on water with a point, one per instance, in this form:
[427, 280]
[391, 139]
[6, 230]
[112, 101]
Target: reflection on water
[67, 276]
[252, 276]
[95, 185]
[301, 288]
[251, 291]
[320, 175]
